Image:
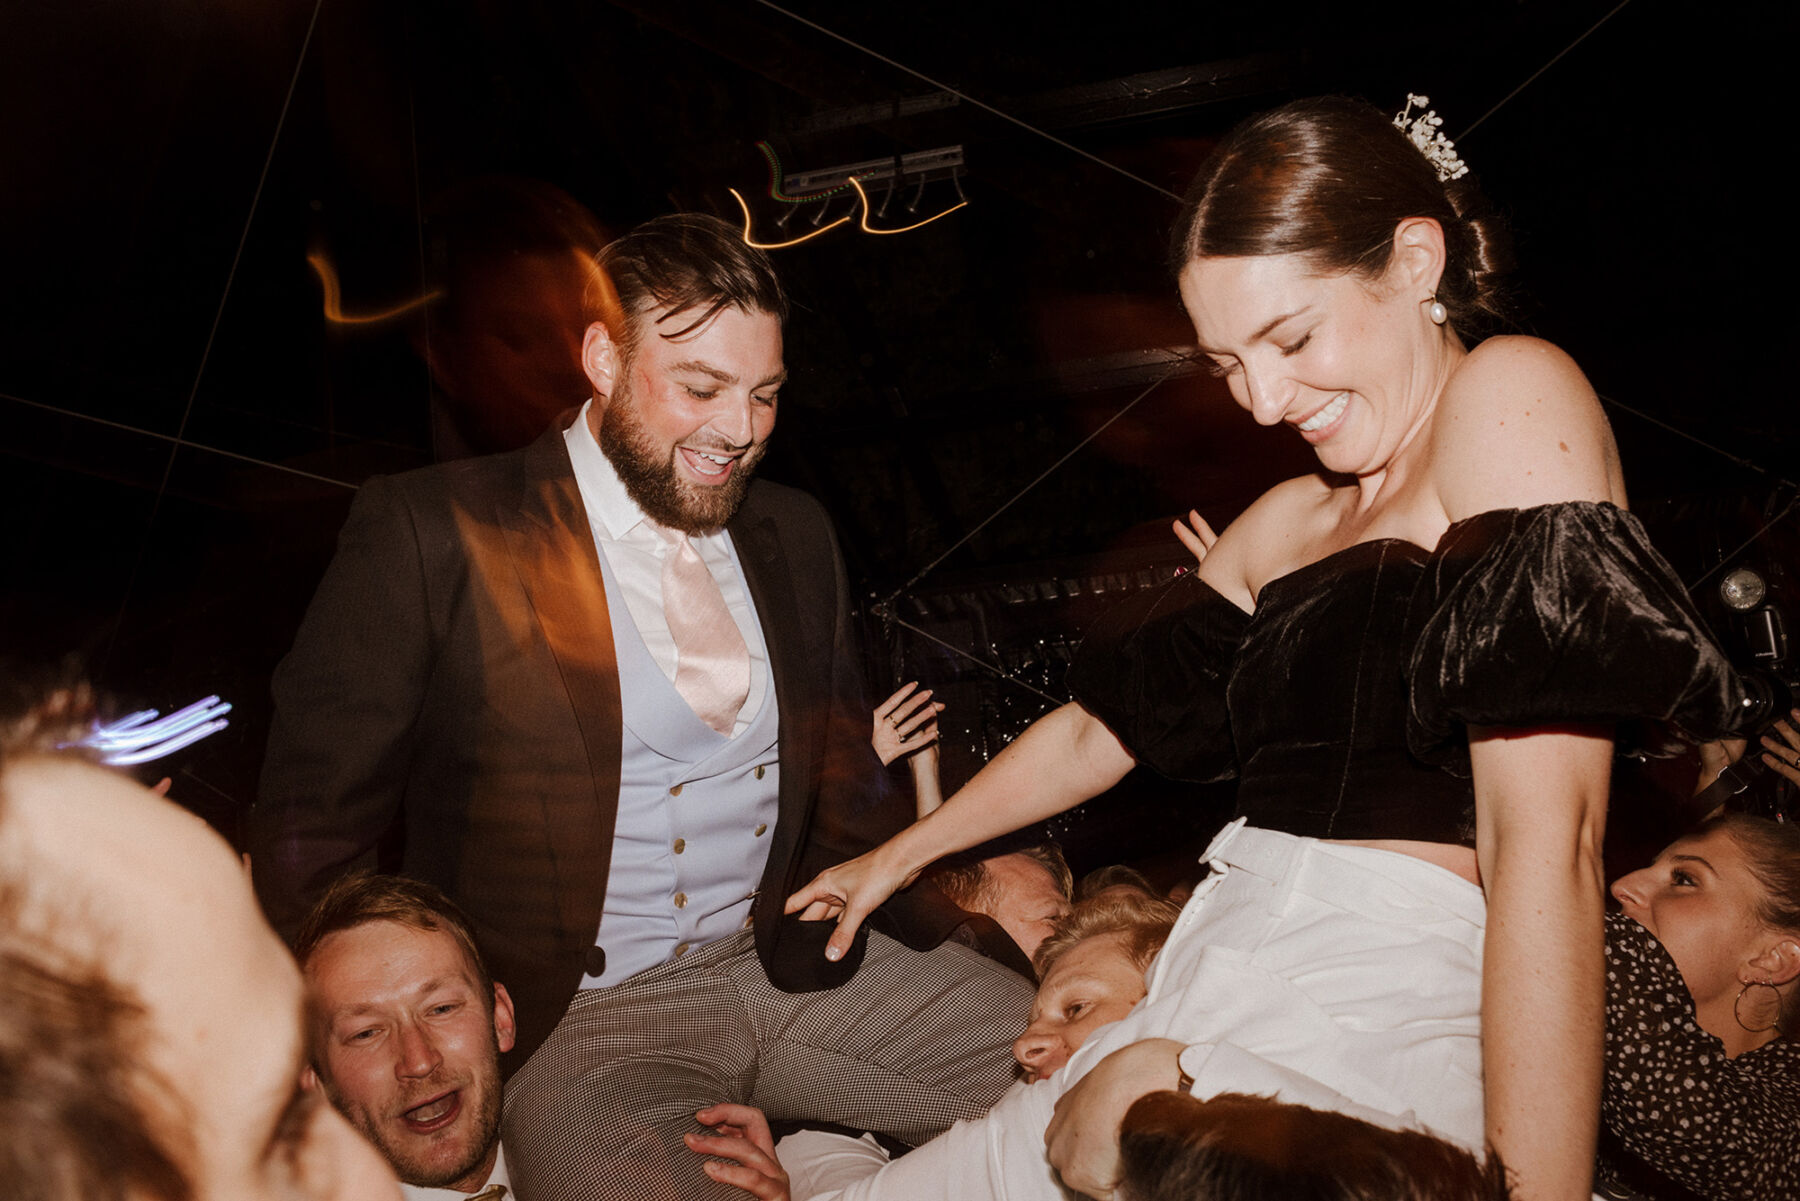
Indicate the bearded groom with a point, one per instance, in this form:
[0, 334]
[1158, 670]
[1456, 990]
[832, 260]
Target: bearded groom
[603, 692]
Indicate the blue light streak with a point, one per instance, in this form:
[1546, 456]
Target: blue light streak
[146, 735]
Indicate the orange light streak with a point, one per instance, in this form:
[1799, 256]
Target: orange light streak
[870, 229]
[749, 241]
[334, 308]
[825, 229]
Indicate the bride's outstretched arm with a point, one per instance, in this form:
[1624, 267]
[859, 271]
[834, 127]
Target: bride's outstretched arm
[1062, 759]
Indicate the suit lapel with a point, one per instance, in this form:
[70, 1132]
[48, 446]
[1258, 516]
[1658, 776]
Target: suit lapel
[771, 583]
[552, 549]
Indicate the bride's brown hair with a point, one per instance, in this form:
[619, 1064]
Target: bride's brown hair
[1329, 179]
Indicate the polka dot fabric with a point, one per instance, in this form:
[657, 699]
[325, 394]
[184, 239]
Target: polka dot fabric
[1724, 1128]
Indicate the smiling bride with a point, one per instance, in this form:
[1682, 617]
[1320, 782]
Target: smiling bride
[1413, 661]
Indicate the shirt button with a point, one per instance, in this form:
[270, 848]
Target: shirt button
[680, 845]
[675, 791]
[759, 771]
[681, 900]
[761, 828]
[680, 949]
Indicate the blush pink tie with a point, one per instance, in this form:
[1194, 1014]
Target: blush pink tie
[713, 672]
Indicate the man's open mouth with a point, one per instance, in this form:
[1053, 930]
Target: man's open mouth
[714, 466]
[434, 1114]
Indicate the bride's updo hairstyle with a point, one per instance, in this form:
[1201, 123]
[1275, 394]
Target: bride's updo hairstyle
[1329, 179]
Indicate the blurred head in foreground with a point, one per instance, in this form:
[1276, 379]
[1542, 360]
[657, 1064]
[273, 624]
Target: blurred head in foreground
[1175, 1147]
[150, 1022]
[514, 265]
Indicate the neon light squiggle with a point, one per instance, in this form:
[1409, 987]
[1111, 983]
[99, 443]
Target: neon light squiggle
[861, 195]
[334, 308]
[870, 229]
[749, 241]
[145, 735]
[775, 192]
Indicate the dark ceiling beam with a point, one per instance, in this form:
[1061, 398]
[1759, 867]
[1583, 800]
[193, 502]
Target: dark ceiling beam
[919, 166]
[746, 35]
[872, 114]
[1128, 98]
[1159, 93]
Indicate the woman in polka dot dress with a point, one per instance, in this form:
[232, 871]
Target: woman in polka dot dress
[1702, 1090]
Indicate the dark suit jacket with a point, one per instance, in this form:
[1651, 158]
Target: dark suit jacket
[454, 688]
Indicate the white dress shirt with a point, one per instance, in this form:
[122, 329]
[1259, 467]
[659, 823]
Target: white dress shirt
[412, 1192]
[635, 553]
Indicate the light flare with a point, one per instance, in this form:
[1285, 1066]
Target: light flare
[862, 197]
[870, 229]
[146, 735]
[334, 308]
[751, 242]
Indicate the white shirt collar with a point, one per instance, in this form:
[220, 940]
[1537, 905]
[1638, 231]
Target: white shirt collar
[412, 1192]
[600, 484]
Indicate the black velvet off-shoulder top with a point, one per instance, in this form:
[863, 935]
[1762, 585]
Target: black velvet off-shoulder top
[1342, 703]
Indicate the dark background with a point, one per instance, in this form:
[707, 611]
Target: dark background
[184, 417]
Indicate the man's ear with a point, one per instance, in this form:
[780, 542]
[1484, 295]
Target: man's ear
[1778, 963]
[600, 360]
[1418, 258]
[505, 1029]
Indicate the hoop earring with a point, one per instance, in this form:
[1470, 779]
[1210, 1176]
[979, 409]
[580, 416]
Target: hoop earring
[1776, 1024]
[1437, 312]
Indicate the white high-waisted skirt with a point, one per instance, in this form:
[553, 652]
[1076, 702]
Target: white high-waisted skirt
[1327, 975]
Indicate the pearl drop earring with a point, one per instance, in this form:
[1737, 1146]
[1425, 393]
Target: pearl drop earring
[1437, 312]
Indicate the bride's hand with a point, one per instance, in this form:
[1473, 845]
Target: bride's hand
[1195, 534]
[849, 892]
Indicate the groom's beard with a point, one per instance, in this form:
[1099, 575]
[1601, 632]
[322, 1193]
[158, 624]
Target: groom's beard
[654, 482]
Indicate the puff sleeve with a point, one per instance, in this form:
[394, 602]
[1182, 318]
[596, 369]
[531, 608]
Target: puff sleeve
[1559, 613]
[1155, 670]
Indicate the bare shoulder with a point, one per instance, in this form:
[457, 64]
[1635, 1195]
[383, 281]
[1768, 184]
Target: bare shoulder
[1517, 359]
[1520, 425]
[1268, 539]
